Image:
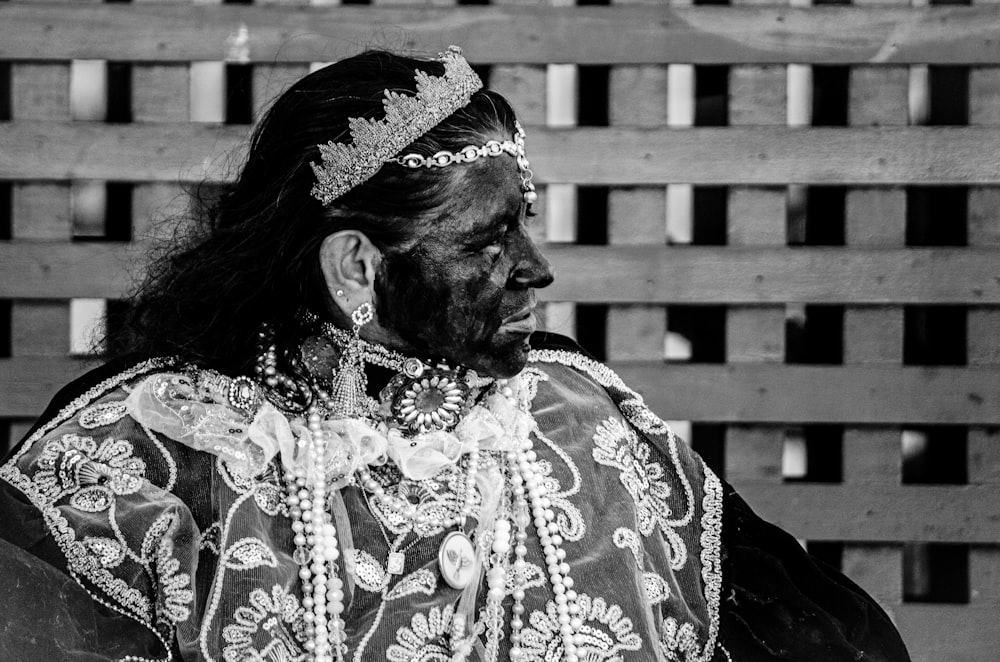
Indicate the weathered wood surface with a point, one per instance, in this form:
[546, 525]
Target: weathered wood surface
[734, 393]
[613, 274]
[949, 633]
[612, 156]
[878, 512]
[654, 33]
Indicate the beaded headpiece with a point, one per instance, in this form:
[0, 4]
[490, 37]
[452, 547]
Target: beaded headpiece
[407, 117]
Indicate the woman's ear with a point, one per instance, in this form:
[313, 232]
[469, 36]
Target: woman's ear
[349, 260]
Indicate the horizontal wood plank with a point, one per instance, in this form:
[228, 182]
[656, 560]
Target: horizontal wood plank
[610, 274]
[949, 633]
[611, 156]
[743, 393]
[877, 512]
[652, 33]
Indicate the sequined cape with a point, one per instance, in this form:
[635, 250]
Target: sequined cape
[170, 555]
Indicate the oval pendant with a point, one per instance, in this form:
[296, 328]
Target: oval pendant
[457, 559]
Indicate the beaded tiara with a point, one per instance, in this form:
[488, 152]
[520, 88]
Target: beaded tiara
[407, 117]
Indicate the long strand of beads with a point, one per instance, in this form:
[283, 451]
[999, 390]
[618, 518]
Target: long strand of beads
[322, 590]
[548, 536]
[521, 521]
[496, 582]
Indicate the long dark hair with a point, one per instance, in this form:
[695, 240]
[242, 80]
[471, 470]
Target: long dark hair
[252, 256]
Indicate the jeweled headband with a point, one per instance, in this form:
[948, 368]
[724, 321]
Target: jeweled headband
[376, 142]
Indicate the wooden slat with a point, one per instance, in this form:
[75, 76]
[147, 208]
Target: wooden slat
[611, 156]
[949, 633]
[890, 513]
[756, 218]
[762, 393]
[983, 341]
[643, 33]
[637, 96]
[642, 274]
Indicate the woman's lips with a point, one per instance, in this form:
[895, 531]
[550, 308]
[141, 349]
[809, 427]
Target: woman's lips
[523, 321]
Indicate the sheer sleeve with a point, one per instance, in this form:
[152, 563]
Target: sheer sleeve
[98, 552]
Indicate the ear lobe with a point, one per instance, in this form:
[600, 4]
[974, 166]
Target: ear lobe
[348, 260]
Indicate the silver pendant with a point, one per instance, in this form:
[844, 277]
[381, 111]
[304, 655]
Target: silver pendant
[394, 564]
[456, 559]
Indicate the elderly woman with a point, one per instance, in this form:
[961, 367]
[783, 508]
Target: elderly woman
[330, 432]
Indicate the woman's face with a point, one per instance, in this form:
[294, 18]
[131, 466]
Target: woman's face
[465, 290]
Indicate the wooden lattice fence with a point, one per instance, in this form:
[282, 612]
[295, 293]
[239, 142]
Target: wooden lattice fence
[780, 223]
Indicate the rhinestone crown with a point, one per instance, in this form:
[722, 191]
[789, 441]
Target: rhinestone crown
[407, 117]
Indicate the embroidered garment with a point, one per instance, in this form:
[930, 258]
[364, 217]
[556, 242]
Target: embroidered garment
[135, 545]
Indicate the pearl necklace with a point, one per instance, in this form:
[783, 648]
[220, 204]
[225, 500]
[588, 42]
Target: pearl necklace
[317, 549]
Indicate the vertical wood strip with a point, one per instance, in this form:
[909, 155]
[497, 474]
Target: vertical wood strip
[756, 334]
[160, 93]
[637, 97]
[40, 211]
[983, 334]
[874, 334]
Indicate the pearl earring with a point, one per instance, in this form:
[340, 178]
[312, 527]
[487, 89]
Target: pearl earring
[339, 293]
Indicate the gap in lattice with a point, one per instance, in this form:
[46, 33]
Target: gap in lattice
[830, 95]
[937, 215]
[936, 572]
[5, 436]
[484, 71]
[102, 211]
[696, 333]
[592, 329]
[711, 90]
[592, 95]
[709, 441]
[239, 94]
[6, 211]
[814, 334]
[830, 553]
[592, 215]
[5, 94]
[119, 92]
[709, 211]
[935, 454]
[474, 2]
[711, 2]
[813, 453]
[815, 215]
[949, 95]
[934, 335]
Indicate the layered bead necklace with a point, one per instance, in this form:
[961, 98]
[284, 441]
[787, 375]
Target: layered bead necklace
[502, 548]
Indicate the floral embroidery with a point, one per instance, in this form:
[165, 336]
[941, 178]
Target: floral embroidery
[209, 538]
[109, 553]
[368, 573]
[625, 538]
[425, 640]
[73, 461]
[249, 553]
[606, 633]
[617, 445]
[176, 596]
[656, 588]
[102, 414]
[678, 642]
[422, 581]
[274, 614]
